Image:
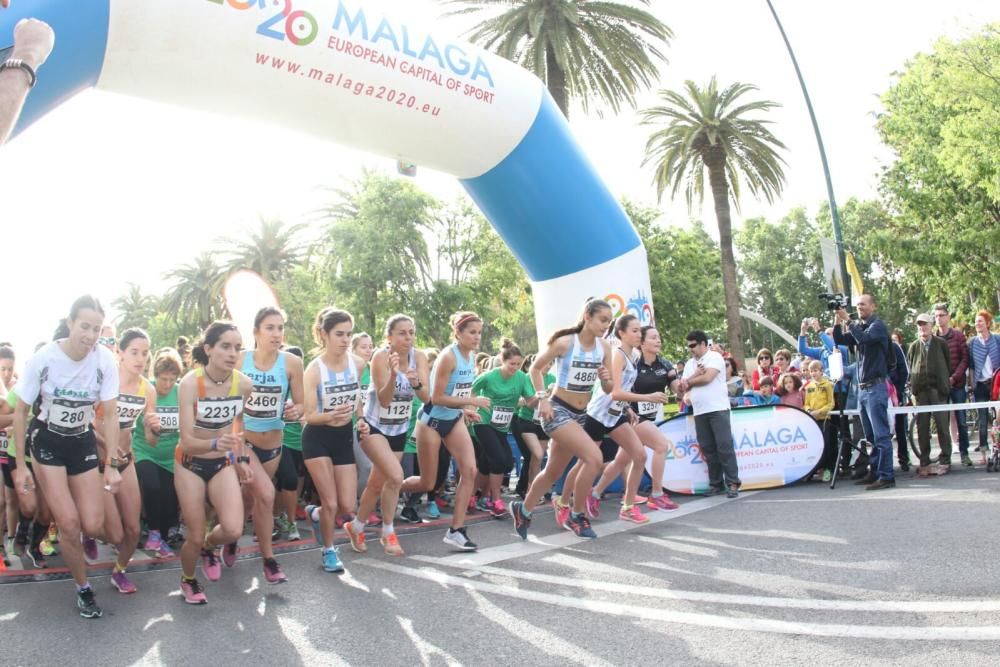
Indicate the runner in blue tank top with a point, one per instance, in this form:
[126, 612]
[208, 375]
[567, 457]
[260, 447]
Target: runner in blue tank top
[451, 399]
[583, 359]
[276, 376]
[398, 373]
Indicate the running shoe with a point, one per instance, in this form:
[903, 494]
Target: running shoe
[89, 548]
[310, 509]
[153, 541]
[47, 548]
[521, 522]
[593, 506]
[409, 515]
[87, 605]
[273, 573]
[391, 545]
[472, 505]
[53, 535]
[164, 551]
[499, 510]
[662, 503]
[459, 539]
[175, 537]
[9, 545]
[641, 500]
[36, 557]
[210, 564]
[732, 491]
[632, 514]
[441, 502]
[3, 554]
[283, 525]
[229, 554]
[293, 533]
[21, 538]
[562, 515]
[122, 583]
[434, 510]
[484, 504]
[581, 526]
[373, 520]
[300, 513]
[357, 538]
[331, 560]
[193, 592]
[338, 522]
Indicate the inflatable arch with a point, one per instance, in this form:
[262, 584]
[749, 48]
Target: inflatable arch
[355, 72]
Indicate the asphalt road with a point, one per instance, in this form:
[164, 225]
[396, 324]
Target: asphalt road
[796, 575]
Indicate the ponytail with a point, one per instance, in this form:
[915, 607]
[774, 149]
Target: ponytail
[591, 308]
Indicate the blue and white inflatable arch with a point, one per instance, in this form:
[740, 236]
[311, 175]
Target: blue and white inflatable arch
[361, 72]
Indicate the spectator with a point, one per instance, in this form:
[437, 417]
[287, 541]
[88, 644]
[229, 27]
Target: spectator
[704, 386]
[818, 403]
[899, 375]
[33, 42]
[766, 394]
[871, 337]
[930, 364]
[734, 383]
[959, 354]
[984, 361]
[790, 390]
[839, 423]
[783, 363]
[764, 368]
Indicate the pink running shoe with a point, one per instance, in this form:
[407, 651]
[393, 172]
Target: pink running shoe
[121, 582]
[89, 548]
[373, 520]
[165, 551]
[273, 573]
[593, 506]
[662, 503]
[499, 509]
[193, 592]
[640, 500]
[562, 516]
[210, 564]
[633, 514]
[229, 553]
[153, 541]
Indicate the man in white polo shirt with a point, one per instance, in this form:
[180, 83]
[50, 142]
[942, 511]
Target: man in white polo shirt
[704, 383]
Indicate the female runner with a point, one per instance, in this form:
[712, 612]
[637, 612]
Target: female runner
[68, 377]
[212, 459]
[398, 373]
[275, 375]
[584, 358]
[332, 404]
[532, 441]
[451, 400]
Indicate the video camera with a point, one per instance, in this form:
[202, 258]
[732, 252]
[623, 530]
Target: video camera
[835, 301]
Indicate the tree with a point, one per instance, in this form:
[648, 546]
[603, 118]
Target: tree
[941, 119]
[583, 51]
[271, 250]
[708, 131]
[196, 295]
[135, 309]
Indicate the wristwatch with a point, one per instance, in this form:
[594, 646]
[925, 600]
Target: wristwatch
[17, 63]
[114, 461]
[243, 459]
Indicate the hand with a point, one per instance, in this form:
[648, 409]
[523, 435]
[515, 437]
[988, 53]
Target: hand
[603, 374]
[472, 415]
[842, 315]
[33, 42]
[412, 377]
[341, 415]
[293, 412]
[804, 329]
[152, 421]
[656, 397]
[112, 479]
[544, 410]
[814, 323]
[244, 472]
[228, 442]
[481, 402]
[24, 482]
[363, 428]
[633, 418]
[393, 362]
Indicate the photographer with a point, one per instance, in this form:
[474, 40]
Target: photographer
[871, 337]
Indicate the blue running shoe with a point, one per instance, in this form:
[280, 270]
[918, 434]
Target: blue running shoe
[521, 522]
[580, 525]
[315, 524]
[331, 560]
[433, 511]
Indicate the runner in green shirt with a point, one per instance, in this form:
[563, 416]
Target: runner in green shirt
[291, 471]
[531, 440]
[505, 387]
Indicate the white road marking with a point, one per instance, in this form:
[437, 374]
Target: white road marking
[424, 647]
[742, 624]
[166, 618]
[152, 657]
[562, 539]
[295, 633]
[9, 617]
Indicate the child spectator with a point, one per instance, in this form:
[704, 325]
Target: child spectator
[766, 394]
[790, 390]
[819, 404]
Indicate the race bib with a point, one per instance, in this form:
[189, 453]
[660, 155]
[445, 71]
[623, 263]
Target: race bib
[462, 390]
[582, 375]
[129, 409]
[264, 402]
[616, 408]
[647, 409]
[170, 419]
[501, 416]
[5, 448]
[535, 417]
[397, 412]
[217, 413]
[70, 418]
[337, 395]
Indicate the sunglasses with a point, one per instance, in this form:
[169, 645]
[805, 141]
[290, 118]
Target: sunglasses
[106, 340]
[763, 358]
[693, 345]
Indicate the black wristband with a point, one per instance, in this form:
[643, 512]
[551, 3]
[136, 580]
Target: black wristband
[15, 63]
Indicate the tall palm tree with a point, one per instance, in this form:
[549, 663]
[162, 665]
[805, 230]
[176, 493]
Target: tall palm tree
[196, 295]
[271, 250]
[708, 131]
[607, 51]
[135, 309]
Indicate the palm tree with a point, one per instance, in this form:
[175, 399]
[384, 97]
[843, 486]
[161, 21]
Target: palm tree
[196, 295]
[135, 309]
[271, 250]
[582, 50]
[708, 130]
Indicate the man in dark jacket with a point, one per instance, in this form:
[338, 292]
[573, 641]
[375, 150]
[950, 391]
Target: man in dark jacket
[959, 355]
[930, 379]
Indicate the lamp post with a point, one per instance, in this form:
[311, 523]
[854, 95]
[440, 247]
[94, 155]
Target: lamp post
[834, 213]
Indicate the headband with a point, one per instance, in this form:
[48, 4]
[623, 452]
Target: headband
[467, 318]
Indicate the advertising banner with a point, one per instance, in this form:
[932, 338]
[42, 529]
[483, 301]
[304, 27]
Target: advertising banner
[775, 445]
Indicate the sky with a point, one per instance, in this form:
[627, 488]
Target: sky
[108, 189]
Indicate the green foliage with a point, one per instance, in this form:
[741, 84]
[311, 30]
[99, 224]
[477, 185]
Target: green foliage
[584, 51]
[271, 250]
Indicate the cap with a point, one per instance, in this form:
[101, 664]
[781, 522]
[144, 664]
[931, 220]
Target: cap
[924, 318]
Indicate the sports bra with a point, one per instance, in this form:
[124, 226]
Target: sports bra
[459, 384]
[266, 406]
[577, 369]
